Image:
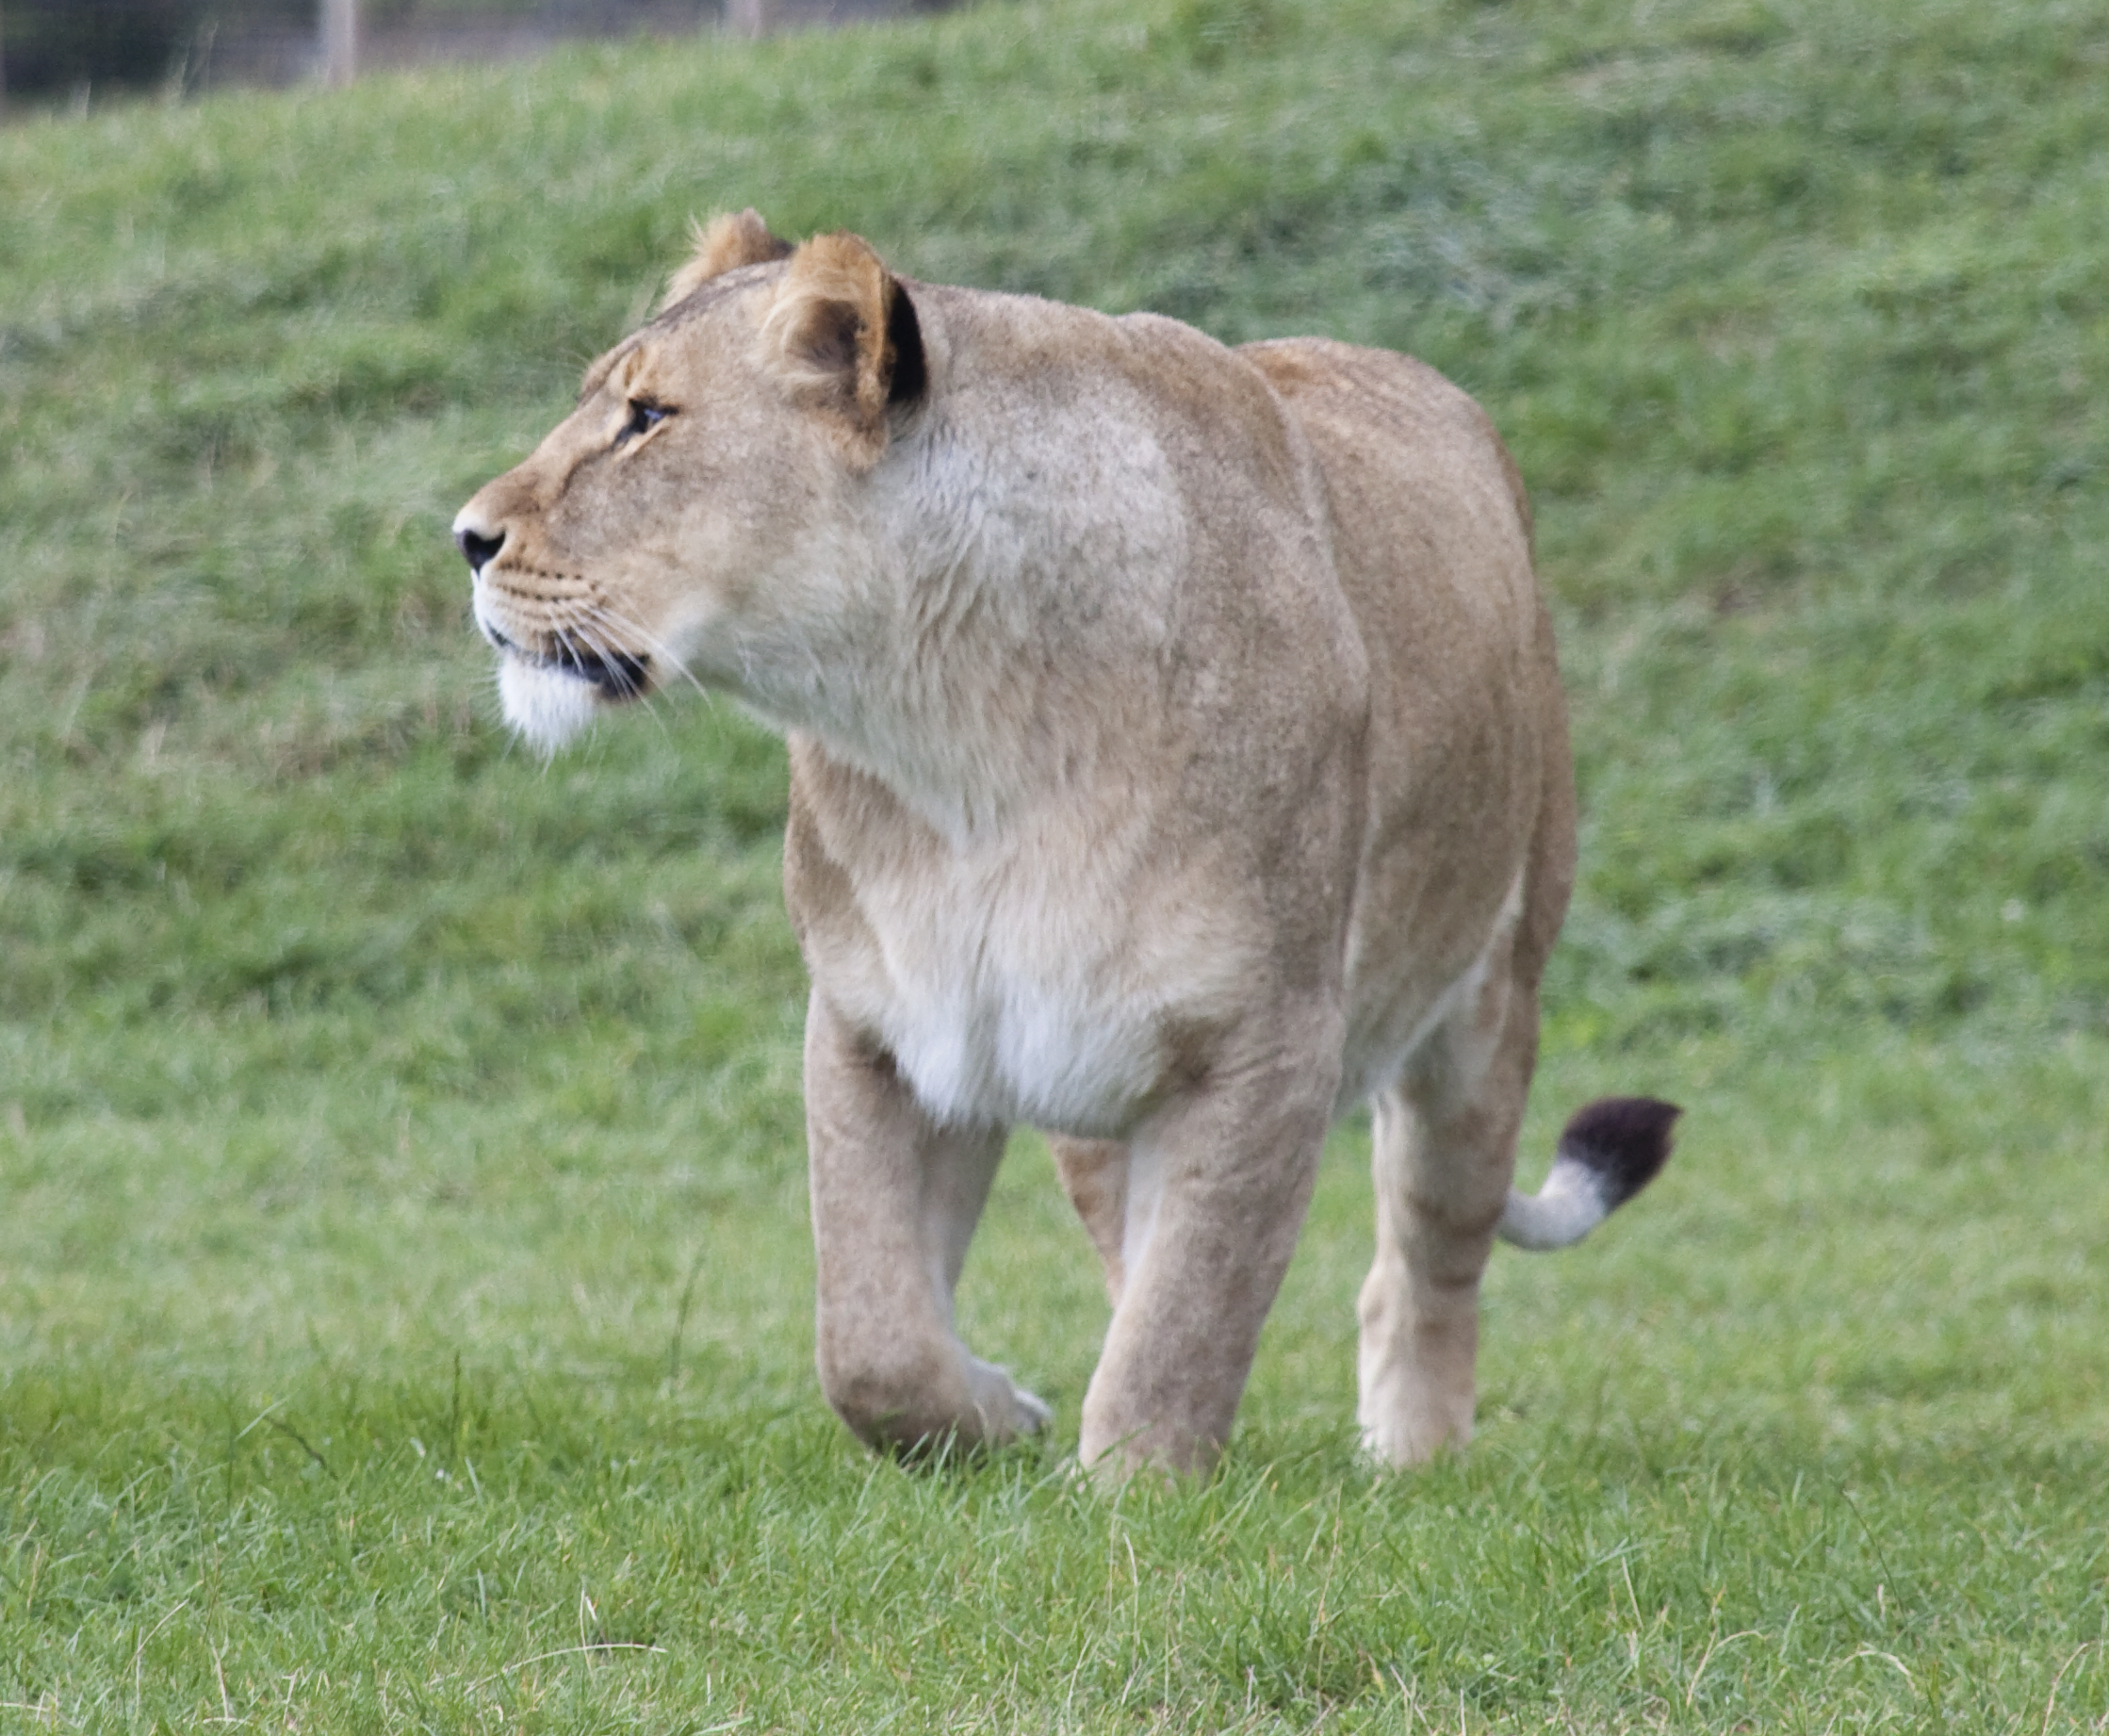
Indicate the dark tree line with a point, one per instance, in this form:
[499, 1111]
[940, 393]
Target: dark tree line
[51, 46]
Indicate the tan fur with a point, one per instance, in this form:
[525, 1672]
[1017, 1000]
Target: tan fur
[725, 244]
[1178, 757]
[824, 335]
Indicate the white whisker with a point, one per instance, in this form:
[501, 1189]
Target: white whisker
[613, 659]
[651, 641]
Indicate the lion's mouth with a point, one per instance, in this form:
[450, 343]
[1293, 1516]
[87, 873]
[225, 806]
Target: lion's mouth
[614, 675]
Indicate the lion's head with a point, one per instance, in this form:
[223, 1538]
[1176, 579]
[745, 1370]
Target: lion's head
[669, 526]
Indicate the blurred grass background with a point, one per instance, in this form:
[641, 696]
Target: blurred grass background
[403, 1281]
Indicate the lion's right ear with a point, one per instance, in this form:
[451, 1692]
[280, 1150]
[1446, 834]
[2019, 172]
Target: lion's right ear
[843, 335]
[725, 244]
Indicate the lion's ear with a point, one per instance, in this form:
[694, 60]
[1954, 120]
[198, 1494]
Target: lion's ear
[724, 245]
[843, 332]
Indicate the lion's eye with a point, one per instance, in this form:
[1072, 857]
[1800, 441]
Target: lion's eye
[644, 416]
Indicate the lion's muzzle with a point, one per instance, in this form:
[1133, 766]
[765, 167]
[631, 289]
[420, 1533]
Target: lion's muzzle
[617, 675]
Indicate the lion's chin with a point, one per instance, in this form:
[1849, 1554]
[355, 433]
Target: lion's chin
[546, 706]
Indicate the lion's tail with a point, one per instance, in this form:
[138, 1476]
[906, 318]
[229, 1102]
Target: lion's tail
[1610, 1150]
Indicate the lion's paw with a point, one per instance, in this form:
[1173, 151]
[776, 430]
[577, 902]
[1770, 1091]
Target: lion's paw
[1007, 1409]
[1034, 1412]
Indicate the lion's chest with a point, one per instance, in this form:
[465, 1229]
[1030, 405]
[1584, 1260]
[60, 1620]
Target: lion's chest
[1011, 1041]
[996, 1011]
[1011, 990]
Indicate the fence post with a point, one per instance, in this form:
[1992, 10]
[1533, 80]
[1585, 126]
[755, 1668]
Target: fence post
[340, 41]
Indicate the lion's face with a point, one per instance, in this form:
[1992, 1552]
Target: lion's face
[672, 516]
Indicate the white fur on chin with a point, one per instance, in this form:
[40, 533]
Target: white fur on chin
[544, 706]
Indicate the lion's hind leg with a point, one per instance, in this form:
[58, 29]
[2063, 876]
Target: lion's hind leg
[1442, 1156]
[1443, 1150]
[1095, 1176]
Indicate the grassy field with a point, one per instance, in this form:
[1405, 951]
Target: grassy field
[405, 1286]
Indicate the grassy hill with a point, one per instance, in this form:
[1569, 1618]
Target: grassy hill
[404, 1301]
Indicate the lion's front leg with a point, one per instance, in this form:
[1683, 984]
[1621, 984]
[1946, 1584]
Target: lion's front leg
[1217, 1188]
[896, 1200]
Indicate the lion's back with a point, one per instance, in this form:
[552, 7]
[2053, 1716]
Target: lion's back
[1469, 780]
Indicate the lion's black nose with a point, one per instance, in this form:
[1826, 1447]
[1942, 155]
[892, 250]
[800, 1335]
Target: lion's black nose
[477, 548]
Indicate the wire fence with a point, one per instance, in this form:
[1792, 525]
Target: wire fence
[69, 50]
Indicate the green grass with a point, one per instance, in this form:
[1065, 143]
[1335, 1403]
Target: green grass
[404, 1291]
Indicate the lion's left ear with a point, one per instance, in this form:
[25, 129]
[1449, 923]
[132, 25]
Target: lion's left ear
[725, 245]
[844, 333]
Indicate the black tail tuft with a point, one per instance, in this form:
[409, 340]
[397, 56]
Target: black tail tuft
[1624, 1140]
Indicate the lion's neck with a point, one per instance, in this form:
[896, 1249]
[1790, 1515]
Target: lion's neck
[972, 674]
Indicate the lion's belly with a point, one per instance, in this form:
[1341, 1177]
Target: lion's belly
[1399, 1003]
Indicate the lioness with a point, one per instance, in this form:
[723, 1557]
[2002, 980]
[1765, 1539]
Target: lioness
[1177, 759]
